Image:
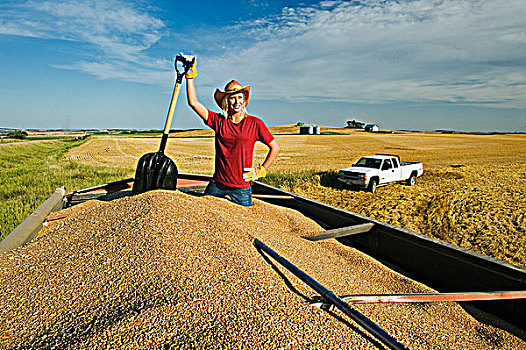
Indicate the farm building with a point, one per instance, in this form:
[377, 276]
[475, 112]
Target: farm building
[309, 129]
[371, 128]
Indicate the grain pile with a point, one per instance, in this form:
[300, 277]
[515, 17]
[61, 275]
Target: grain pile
[168, 270]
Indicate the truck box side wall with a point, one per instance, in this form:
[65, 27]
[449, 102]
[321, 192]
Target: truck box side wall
[447, 269]
[407, 171]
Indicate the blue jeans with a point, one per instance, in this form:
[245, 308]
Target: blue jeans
[242, 196]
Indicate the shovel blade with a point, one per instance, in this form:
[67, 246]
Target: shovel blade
[155, 171]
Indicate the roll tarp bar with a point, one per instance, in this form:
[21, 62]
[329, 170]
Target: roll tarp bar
[28, 229]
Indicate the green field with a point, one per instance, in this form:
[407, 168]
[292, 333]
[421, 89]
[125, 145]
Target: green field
[30, 173]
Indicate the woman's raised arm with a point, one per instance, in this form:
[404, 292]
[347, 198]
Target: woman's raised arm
[197, 106]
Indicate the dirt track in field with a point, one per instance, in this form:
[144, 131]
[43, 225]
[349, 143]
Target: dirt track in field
[473, 193]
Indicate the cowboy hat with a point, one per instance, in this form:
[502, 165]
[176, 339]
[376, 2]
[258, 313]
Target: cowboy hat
[233, 87]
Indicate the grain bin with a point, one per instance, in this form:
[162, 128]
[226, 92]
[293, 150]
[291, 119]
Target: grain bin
[310, 129]
[306, 130]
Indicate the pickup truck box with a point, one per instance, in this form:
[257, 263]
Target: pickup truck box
[380, 170]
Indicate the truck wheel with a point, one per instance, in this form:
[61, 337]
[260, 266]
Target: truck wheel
[412, 180]
[372, 186]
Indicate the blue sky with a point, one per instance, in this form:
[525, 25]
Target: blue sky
[421, 65]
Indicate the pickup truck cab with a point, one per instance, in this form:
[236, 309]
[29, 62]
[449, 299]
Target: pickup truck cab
[379, 170]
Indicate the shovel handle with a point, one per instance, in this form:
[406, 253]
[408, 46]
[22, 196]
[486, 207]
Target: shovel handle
[180, 74]
[171, 109]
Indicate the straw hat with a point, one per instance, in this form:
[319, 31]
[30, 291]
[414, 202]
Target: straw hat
[233, 87]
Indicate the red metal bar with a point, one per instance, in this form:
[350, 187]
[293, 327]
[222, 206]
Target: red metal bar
[429, 297]
[434, 297]
[182, 183]
[109, 187]
[58, 217]
[127, 183]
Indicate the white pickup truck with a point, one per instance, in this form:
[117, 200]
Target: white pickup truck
[379, 170]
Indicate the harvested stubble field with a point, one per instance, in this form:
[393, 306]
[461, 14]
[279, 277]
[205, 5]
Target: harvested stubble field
[167, 270]
[473, 193]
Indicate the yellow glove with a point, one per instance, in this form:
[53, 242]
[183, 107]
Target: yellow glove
[192, 71]
[252, 174]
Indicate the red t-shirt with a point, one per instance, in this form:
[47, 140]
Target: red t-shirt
[234, 146]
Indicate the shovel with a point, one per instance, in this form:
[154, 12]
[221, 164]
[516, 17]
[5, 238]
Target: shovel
[156, 170]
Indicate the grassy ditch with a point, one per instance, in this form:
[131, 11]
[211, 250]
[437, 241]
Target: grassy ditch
[30, 173]
[291, 181]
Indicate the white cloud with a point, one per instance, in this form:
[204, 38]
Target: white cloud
[118, 32]
[462, 51]
[370, 51]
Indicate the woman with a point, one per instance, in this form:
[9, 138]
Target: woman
[236, 133]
